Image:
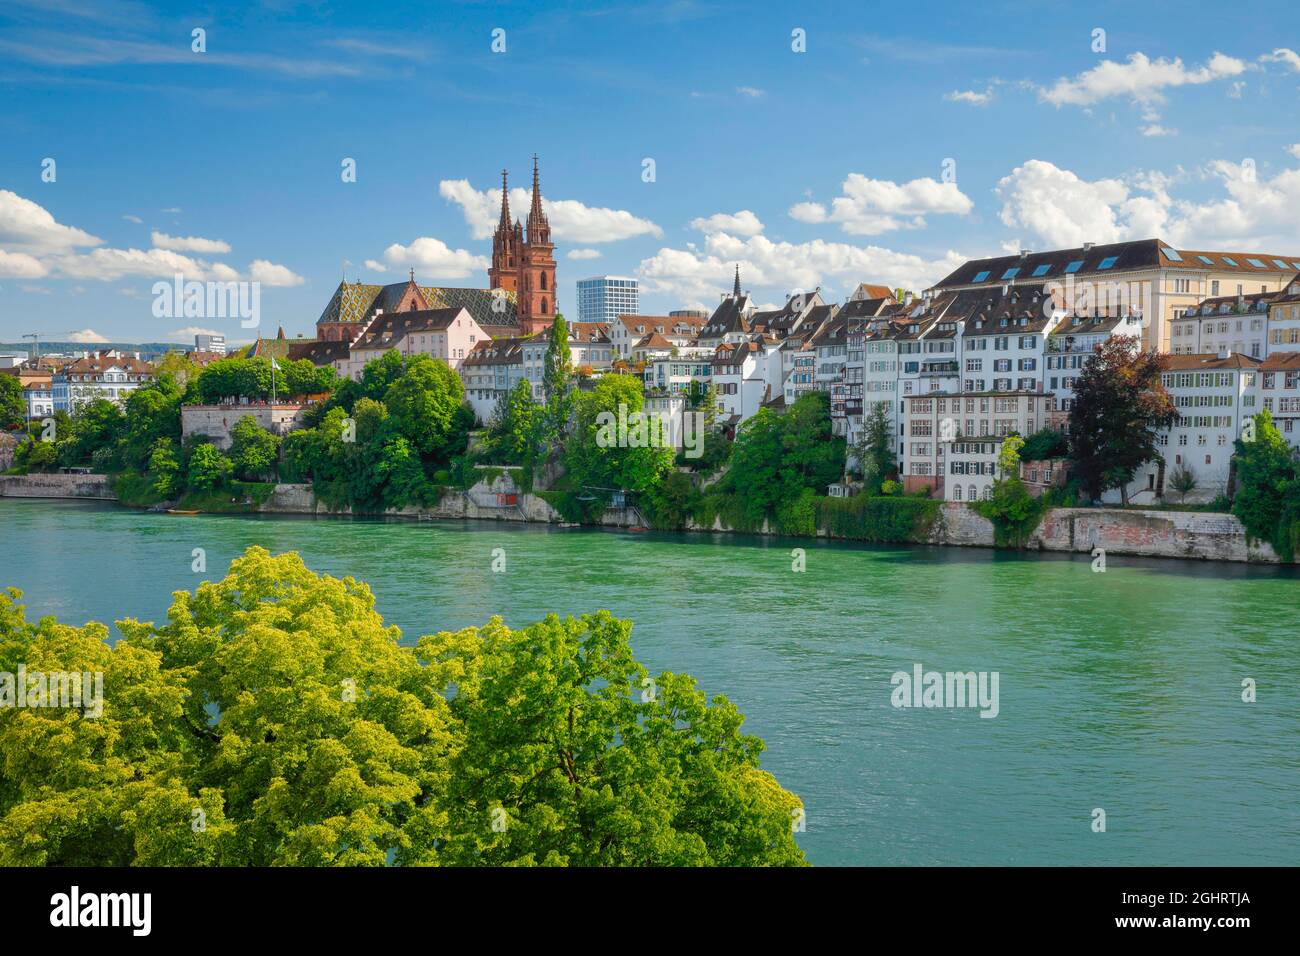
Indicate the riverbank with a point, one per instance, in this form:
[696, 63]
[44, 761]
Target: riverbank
[1185, 535]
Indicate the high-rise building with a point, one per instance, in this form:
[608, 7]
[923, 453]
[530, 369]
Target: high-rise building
[210, 343]
[605, 298]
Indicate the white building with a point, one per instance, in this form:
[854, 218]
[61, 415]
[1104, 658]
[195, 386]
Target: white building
[204, 342]
[108, 375]
[605, 298]
[1072, 342]
[490, 371]
[746, 375]
[449, 334]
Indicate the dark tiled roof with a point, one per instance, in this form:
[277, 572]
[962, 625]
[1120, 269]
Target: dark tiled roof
[319, 353]
[1209, 360]
[389, 329]
[355, 302]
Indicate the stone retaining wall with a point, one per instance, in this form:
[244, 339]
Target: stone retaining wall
[56, 486]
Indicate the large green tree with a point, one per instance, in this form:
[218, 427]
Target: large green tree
[1119, 405]
[515, 427]
[1267, 498]
[427, 407]
[874, 451]
[274, 719]
[13, 407]
[253, 450]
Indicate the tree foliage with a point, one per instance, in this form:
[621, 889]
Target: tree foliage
[274, 719]
[1119, 406]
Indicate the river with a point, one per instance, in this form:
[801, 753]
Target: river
[1118, 690]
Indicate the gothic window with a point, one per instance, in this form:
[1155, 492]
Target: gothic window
[543, 305]
[543, 280]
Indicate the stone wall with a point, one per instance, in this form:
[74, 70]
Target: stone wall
[300, 499]
[1164, 534]
[216, 421]
[960, 525]
[56, 486]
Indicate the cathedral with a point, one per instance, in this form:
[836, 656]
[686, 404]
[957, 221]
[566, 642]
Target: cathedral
[523, 261]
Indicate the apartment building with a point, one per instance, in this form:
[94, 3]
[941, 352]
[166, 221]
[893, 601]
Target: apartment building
[1214, 395]
[1284, 319]
[745, 376]
[952, 439]
[1279, 393]
[627, 330]
[492, 369]
[1148, 275]
[1224, 324]
[109, 375]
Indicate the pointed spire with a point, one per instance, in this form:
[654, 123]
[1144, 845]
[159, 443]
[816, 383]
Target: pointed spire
[736, 291]
[412, 274]
[538, 228]
[505, 201]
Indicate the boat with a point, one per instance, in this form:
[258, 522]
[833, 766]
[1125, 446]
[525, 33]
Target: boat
[179, 511]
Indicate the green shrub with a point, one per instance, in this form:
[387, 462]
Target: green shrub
[878, 519]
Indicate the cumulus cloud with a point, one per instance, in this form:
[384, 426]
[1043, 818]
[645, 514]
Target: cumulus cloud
[973, 97]
[20, 265]
[583, 254]
[87, 337]
[430, 257]
[742, 223]
[28, 227]
[1062, 209]
[699, 274]
[869, 207]
[570, 220]
[1155, 129]
[273, 274]
[187, 334]
[189, 244]
[1140, 79]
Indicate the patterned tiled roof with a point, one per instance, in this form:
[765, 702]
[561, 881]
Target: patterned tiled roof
[355, 302]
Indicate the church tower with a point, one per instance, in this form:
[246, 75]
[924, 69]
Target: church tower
[507, 245]
[537, 268]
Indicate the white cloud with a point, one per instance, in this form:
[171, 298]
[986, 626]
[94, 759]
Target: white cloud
[432, 258]
[20, 265]
[973, 97]
[583, 254]
[570, 220]
[86, 337]
[36, 289]
[273, 274]
[376, 266]
[135, 219]
[752, 92]
[189, 244]
[695, 274]
[26, 226]
[1140, 79]
[187, 334]
[873, 206]
[1061, 209]
[1283, 55]
[1155, 129]
[110, 264]
[1294, 150]
[742, 223]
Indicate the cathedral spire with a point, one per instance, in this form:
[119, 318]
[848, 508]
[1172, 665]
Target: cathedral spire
[505, 202]
[736, 291]
[539, 230]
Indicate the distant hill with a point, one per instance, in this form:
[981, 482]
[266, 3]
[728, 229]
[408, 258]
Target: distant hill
[95, 346]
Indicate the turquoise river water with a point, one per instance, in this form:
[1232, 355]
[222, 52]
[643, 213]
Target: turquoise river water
[1118, 690]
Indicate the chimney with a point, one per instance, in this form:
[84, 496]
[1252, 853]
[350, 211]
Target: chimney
[1223, 352]
[1025, 253]
[907, 299]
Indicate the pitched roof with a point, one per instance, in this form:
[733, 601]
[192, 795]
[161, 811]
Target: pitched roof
[1282, 362]
[355, 302]
[391, 327]
[1209, 361]
[320, 353]
[727, 318]
[1110, 258]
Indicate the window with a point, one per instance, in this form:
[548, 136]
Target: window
[1074, 266]
[1011, 273]
[1042, 271]
[1107, 262]
[1257, 264]
[1169, 254]
[981, 276]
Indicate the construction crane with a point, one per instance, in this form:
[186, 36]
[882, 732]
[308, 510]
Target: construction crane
[36, 346]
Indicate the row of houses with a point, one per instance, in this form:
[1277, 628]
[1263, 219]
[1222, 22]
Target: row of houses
[51, 385]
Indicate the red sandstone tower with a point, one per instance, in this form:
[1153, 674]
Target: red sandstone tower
[523, 260]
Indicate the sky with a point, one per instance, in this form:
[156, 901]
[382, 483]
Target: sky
[817, 147]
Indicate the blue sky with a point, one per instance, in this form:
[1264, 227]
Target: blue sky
[823, 167]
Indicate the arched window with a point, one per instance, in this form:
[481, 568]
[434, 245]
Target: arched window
[956, 493]
[973, 496]
[543, 305]
[543, 280]
[988, 492]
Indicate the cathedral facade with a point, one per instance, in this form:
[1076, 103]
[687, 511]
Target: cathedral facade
[523, 261]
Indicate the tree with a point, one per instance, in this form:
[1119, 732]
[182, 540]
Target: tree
[177, 365]
[209, 469]
[278, 705]
[13, 406]
[1119, 406]
[512, 434]
[596, 455]
[95, 426]
[253, 449]
[875, 449]
[34, 456]
[1009, 456]
[572, 755]
[1182, 480]
[1267, 469]
[425, 405]
[812, 456]
[165, 468]
[556, 378]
